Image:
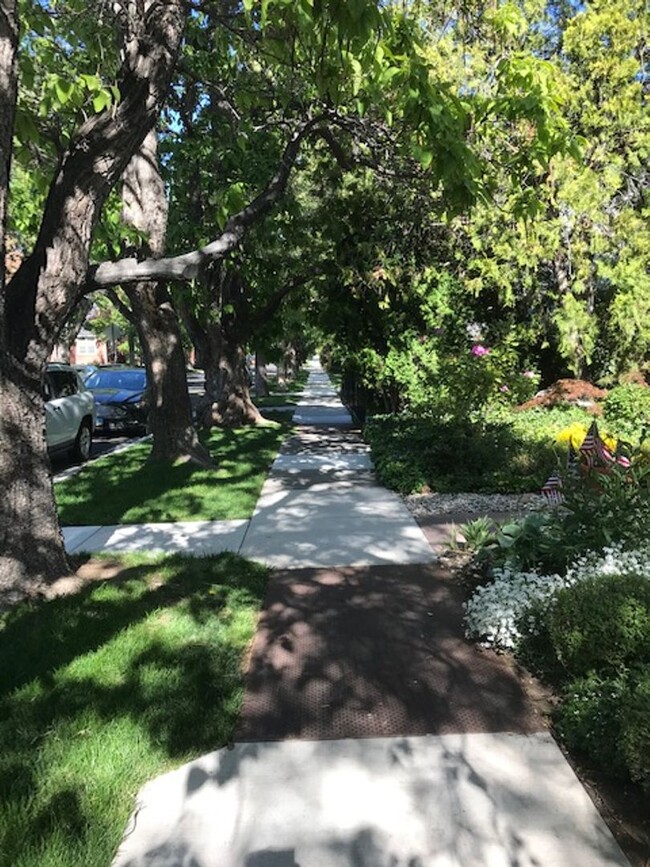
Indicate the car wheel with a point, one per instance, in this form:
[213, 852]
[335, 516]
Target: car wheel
[83, 442]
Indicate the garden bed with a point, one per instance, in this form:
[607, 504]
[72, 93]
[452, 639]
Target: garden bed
[623, 805]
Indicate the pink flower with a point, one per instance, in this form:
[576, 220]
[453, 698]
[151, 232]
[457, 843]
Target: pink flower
[479, 350]
[529, 374]
[504, 389]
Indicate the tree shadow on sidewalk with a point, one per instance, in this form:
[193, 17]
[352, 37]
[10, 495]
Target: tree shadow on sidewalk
[371, 652]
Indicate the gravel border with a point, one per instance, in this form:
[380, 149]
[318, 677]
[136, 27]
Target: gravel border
[480, 504]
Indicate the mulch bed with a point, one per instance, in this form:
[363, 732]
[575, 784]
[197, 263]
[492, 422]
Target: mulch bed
[568, 391]
[374, 652]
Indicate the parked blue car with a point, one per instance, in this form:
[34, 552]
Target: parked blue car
[122, 399]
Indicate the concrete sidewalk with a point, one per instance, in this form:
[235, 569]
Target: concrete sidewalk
[450, 801]
[321, 509]
[347, 649]
[182, 537]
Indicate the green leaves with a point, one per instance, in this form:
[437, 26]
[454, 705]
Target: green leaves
[62, 89]
[508, 20]
[76, 94]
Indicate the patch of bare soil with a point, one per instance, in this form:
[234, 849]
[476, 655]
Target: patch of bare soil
[625, 807]
[89, 572]
[575, 391]
[92, 570]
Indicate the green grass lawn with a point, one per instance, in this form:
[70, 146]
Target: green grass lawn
[277, 399]
[102, 690]
[292, 385]
[128, 489]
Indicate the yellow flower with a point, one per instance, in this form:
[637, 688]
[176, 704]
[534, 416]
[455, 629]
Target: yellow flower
[576, 433]
[572, 435]
[610, 442]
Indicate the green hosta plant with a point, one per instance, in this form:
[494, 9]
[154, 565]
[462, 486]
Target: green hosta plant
[527, 543]
[479, 533]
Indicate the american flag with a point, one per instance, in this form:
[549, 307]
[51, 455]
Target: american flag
[552, 489]
[621, 458]
[591, 448]
[572, 463]
[594, 451]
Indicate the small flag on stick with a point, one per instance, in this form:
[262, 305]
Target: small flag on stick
[572, 463]
[589, 450]
[552, 489]
[621, 458]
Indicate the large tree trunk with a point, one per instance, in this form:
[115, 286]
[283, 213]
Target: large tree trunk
[261, 375]
[208, 338]
[39, 298]
[31, 546]
[8, 85]
[221, 343]
[290, 362]
[227, 401]
[235, 407]
[170, 420]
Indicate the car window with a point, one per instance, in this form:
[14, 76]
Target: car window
[64, 383]
[129, 380]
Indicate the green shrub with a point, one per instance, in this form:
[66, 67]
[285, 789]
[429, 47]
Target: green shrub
[607, 719]
[588, 720]
[635, 735]
[410, 451]
[497, 450]
[605, 508]
[627, 408]
[602, 624]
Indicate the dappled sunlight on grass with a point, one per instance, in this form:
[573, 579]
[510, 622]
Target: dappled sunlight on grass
[128, 488]
[104, 689]
[296, 384]
[277, 399]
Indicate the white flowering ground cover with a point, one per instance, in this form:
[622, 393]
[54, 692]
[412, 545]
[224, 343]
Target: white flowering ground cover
[496, 612]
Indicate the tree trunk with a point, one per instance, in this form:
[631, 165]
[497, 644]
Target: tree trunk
[221, 343]
[282, 372]
[215, 377]
[170, 417]
[31, 546]
[170, 420]
[235, 407]
[261, 375]
[290, 363]
[8, 91]
[131, 339]
[49, 282]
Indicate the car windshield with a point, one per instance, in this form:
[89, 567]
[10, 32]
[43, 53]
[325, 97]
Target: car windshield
[127, 380]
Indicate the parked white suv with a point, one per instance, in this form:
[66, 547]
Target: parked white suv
[69, 412]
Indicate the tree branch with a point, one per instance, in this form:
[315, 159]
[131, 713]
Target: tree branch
[272, 306]
[187, 266]
[123, 308]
